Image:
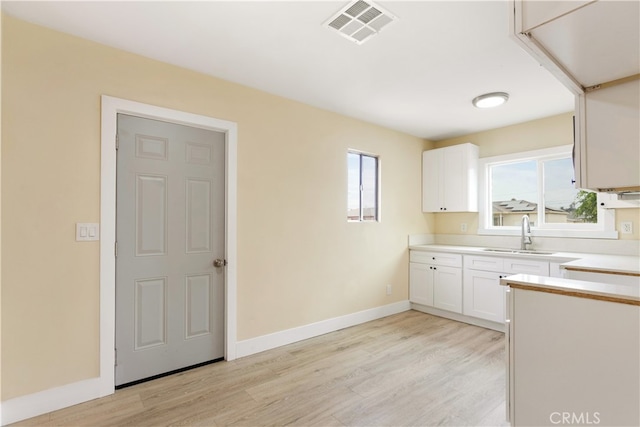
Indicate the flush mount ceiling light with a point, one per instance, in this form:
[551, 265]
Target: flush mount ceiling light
[489, 100]
[360, 20]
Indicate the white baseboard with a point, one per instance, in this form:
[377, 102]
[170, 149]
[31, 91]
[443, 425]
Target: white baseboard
[42, 402]
[289, 336]
[32, 405]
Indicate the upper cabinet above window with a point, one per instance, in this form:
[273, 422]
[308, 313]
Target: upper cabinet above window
[450, 179]
[583, 43]
[593, 48]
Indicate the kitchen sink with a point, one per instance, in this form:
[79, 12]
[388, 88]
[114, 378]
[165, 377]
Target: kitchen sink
[518, 251]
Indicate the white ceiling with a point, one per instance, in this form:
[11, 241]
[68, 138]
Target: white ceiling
[418, 75]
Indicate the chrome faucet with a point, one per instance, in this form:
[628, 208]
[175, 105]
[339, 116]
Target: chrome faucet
[526, 233]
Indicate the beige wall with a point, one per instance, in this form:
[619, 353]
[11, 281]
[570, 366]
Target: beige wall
[537, 134]
[299, 260]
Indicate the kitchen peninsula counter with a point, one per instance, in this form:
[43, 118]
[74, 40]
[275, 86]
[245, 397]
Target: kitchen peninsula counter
[572, 349]
[576, 288]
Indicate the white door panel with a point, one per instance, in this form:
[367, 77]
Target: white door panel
[150, 313]
[151, 215]
[170, 228]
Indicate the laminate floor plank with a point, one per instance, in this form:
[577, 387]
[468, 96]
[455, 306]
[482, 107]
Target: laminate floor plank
[409, 369]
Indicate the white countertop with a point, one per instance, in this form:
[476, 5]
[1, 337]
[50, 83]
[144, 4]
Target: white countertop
[578, 288]
[624, 264]
[605, 264]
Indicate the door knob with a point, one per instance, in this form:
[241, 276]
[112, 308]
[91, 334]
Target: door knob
[219, 262]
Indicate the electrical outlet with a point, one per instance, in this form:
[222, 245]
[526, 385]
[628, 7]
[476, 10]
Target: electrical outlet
[626, 227]
[388, 289]
[463, 227]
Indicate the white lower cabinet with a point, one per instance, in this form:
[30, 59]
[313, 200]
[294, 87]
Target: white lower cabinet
[468, 285]
[435, 280]
[483, 295]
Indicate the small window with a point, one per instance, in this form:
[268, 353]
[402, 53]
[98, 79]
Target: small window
[362, 187]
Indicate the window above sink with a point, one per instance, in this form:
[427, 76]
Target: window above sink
[539, 184]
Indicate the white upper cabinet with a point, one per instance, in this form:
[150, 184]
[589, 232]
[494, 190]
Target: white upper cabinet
[589, 42]
[608, 138]
[593, 48]
[536, 13]
[450, 179]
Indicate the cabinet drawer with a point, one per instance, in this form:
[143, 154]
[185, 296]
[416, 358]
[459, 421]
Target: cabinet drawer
[436, 258]
[526, 266]
[485, 263]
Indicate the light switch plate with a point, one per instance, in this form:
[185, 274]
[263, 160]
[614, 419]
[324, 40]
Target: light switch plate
[87, 231]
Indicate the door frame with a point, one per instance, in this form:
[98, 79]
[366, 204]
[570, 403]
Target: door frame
[111, 107]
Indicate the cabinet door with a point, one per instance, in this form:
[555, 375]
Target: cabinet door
[431, 188]
[612, 135]
[555, 270]
[483, 295]
[421, 283]
[454, 180]
[447, 288]
[460, 178]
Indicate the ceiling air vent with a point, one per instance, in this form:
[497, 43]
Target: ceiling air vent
[360, 20]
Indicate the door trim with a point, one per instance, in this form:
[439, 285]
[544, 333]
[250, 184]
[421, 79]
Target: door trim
[110, 108]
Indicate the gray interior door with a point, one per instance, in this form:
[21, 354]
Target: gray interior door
[170, 228]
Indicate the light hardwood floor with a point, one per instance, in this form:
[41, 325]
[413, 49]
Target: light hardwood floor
[410, 369]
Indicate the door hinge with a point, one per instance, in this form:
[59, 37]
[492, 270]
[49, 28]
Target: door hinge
[117, 142]
[115, 357]
[115, 249]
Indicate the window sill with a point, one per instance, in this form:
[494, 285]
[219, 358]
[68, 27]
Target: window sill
[576, 234]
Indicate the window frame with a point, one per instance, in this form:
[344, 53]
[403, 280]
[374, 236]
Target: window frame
[604, 229]
[378, 173]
